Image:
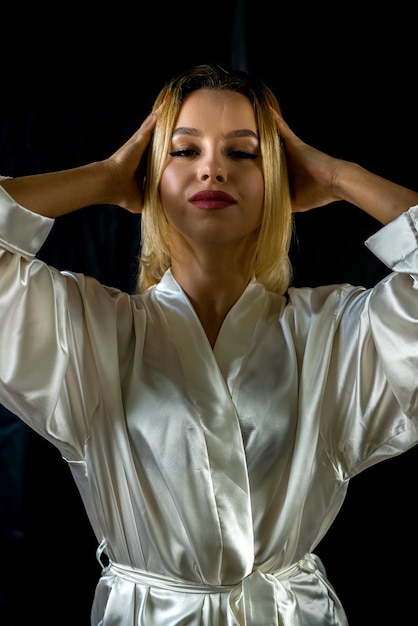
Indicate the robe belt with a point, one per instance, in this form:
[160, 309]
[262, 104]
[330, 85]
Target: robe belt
[261, 599]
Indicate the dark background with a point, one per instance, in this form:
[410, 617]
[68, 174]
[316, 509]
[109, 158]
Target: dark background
[74, 84]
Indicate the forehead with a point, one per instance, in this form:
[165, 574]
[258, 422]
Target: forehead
[210, 109]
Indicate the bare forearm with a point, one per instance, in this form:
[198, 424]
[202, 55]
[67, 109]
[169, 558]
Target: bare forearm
[319, 179]
[58, 193]
[380, 198]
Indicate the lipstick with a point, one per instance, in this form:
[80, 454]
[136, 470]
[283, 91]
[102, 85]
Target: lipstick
[212, 200]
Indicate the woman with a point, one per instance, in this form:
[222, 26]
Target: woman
[213, 420]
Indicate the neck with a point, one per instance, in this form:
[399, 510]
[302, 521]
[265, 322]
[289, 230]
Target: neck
[212, 294]
[213, 275]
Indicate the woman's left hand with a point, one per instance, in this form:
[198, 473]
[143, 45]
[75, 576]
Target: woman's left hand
[312, 172]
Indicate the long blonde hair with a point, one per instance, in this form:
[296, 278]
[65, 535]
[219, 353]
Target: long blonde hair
[271, 262]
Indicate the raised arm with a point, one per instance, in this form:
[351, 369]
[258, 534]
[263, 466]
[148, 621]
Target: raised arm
[114, 180]
[319, 179]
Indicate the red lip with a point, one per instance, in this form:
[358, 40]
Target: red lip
[212, 200]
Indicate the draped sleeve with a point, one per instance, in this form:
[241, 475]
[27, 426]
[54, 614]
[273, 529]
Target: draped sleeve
[394, 307]
[364, 377]
[51, 342]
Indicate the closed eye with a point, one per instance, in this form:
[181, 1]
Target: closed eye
[183, 153]
[242, 154]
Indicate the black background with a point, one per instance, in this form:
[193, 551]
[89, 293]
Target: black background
[74, 84]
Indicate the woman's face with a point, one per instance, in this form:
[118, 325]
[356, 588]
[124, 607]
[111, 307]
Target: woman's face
[212, 186]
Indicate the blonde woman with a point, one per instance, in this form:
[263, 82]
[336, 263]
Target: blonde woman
[212, 420]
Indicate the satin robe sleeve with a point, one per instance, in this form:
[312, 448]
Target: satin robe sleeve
[361, 355]
[51, 342]
[394, 308]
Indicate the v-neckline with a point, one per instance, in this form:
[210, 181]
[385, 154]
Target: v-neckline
[187, 332]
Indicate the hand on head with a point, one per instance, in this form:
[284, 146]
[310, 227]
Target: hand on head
[312, 173]
[126, 165]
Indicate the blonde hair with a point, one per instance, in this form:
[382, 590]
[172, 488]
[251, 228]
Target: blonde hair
[271, 261]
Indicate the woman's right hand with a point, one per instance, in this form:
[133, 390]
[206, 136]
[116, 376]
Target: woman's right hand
[125, 163]
[114, 180]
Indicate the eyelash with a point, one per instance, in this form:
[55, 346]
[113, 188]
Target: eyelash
[235, 154]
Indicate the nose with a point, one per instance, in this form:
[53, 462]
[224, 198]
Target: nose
[218, 177]
[212, 169]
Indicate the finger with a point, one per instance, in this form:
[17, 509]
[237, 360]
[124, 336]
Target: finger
[149, 123]
[285, 132]
[146, 128]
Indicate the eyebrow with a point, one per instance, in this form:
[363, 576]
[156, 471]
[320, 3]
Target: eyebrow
[242, 132]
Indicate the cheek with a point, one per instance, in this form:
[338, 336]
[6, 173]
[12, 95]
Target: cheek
[169, 187]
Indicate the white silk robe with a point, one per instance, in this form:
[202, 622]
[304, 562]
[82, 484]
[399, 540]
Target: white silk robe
[210, 476]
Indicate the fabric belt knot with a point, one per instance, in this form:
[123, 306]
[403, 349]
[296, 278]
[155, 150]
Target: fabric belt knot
[266, 599]
[257, 600]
